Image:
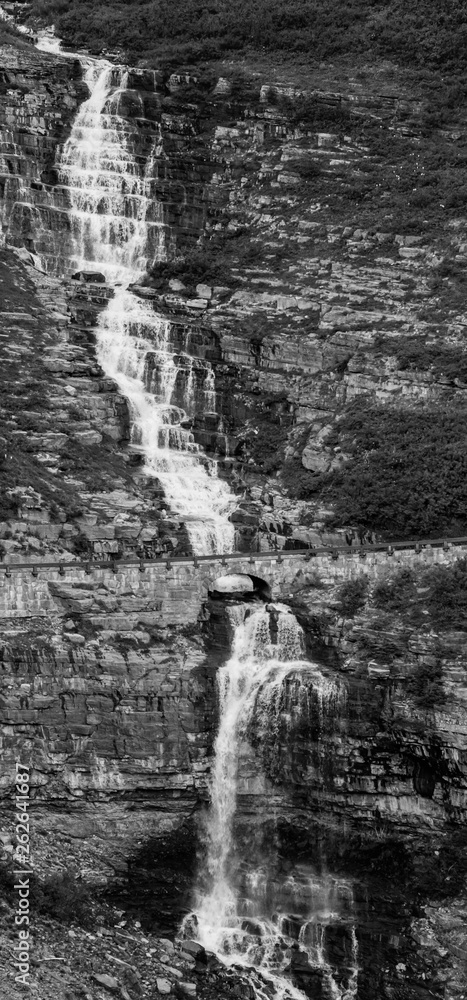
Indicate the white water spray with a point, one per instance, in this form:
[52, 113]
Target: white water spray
[246, 912]
[116, 229]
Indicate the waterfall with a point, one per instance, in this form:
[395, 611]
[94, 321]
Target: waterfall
[116, 228]
[131, 341]
[247, 910]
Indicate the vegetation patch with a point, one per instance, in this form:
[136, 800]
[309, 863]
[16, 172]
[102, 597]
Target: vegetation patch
[425, 685]
[352, 595]
[396, 593]
[210, 263]
[315, 111]
[415, 354]
[447, 595]
[9, 35]
[306, 167]
[441, 591]
[266, 447]
[65, 897]
[420, 33]
[404, 474]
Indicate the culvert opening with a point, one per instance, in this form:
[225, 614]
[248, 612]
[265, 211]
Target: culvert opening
[240, 586]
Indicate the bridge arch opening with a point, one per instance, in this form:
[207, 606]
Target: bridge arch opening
[243, 586]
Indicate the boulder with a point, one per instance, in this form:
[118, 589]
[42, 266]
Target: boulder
[94, 276]
[204, 291]
[144, 292]
[223, 87]
[174, 972]
[197, 303]
[88, 438]
[28, 258]
[167, 944]
[193, 947]
[109, 982]
[163, 986]
[314, 460]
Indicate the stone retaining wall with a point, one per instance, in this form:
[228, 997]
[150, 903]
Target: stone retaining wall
[172, 592]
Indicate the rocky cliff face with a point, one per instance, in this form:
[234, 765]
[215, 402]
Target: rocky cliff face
[295, 269]
[299, 264]
[320, 274]
[39, 97]
[109, 693]
[367, 773]
[61, 416]
[112, 697]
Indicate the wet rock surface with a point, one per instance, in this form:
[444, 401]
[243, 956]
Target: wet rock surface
[68, 486]
[116, 709]
[311, 300]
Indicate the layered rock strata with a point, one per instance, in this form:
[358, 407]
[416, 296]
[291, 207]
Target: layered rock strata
[305, 297]
[112, 695]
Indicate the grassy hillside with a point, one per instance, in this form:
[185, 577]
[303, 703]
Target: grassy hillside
[430, 34]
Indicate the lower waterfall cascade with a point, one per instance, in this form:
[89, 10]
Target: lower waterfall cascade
[116, 229]
[246, 911]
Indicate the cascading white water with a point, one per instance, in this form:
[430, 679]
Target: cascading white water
[116, 228]
[248, 914]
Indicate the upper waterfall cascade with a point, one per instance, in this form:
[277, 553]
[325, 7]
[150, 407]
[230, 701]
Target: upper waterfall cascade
[116, 228]
[246, 911]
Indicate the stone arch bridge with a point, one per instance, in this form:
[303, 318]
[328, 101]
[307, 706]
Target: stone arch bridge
[174, 590]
